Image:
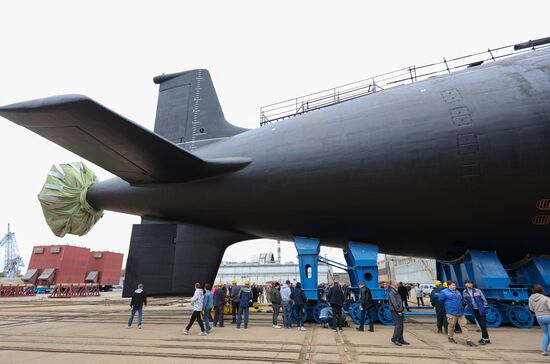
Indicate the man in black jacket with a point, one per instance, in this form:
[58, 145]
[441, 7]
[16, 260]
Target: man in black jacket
[335, 297]
[439, 308]
[396, 309]
[367, 306]
[255, 294]
[404, 293]
[300, 299]
[219, 305]
[138, 300]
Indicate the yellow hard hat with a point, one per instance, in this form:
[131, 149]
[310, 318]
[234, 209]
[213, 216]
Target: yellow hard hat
[247, 282]
[438, 282]
[445, 284]
[234, 281]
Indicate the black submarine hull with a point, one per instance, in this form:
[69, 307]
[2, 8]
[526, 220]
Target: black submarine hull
[429, 169]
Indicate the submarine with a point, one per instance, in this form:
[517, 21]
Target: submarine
[431, 167]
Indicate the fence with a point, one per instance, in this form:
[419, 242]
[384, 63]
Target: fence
[300, 105]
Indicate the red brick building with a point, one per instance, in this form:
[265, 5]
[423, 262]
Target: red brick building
[51, 264]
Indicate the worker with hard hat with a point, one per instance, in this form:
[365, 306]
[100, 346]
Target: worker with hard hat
[439, 307]
[245, 298]
[234, 293]
[454, 307]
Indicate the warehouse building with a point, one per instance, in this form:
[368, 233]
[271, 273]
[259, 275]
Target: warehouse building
[52, 264]
[406, 269]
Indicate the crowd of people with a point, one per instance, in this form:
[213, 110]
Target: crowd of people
[449, 303]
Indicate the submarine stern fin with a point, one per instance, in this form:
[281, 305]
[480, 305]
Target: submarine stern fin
[126, 149]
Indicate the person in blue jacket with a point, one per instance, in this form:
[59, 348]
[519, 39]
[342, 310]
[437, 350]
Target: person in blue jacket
[207, 306]
[454, 306]
[245, 298]
[477, 303]
[325, 316]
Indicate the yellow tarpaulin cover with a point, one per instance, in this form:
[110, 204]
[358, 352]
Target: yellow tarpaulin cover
[63, 199]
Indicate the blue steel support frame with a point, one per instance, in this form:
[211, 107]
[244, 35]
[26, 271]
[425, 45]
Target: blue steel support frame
[507, 304]
[534, 270]
[363, 267]
[308, 251]
[486, 270]
[483, 267]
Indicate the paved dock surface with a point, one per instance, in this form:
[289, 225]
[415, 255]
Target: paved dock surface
[93, 330]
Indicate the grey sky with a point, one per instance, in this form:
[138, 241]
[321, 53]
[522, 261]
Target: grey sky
[257, 52]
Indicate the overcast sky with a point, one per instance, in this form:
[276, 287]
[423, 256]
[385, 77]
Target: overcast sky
[258, 52]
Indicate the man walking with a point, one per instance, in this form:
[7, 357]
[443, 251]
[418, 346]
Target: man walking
[287, 304]
[139, 299]
[245, 299]
[477, 303]
[219, 304]
[453, 301]
[396, 309]
[336, 299]
[207, 307]
[367, 306]
[197, 302]
[235, 293]
[275, 303]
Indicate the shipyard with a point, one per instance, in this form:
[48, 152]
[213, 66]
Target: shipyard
[93, 329]
[290, 182]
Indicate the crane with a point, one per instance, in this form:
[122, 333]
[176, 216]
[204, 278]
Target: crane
[12, 259]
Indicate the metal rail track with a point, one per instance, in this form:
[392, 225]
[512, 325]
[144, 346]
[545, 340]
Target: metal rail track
[153, 355]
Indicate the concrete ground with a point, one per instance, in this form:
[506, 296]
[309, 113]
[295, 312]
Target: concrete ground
[93, 330]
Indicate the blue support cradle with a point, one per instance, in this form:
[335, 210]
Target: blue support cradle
[363, 267]
[507, 304]
[530, 271]
[308, 253]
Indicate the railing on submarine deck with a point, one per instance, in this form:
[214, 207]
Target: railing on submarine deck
[300, 105]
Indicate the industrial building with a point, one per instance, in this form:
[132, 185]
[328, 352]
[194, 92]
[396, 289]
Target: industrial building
[264, 269]
[52, 264]
[406, 269]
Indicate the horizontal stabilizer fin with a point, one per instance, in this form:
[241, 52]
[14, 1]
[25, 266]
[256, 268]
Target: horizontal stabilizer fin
[113, 142]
